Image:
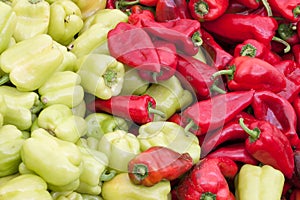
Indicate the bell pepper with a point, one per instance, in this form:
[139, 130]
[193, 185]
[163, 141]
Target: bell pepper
[62, 88]
[64, 159]
[207, 180]
[168, 10]
[33, 18]
[120, 187]
[11, 142]
[59, 120]
[251, 181]
[170, 135]
[27, 186]
[120, 147]
[170, 97]
[65, 21]
[69, 58]
[101, 75]
[7, 25]
[260, 145]
[88, 8]
[37, 60]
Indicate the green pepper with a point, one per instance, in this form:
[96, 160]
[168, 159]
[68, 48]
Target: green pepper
[27, 186]
[120, 187]
[62, 166]
[33, 18]
[65, 21]
[88, 8]
[80, 110]
[7, 25]
[170, 97]
[4, 179]
[38, 58]
[59, 120]
[259, 183]
[101, 75]
[69, 58]
[11, 140]
[120, 147]
[62, 88]
[171, 135]
[71, 195]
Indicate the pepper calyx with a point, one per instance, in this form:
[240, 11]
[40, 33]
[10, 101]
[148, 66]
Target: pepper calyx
[140, 171]
[110, 77]
[248, 50]
[4, 79]
[208, 196]
[296, 11]
[107, 175]
[286, 31]
[229, 72]
[201, 8]
[197, 40]
[254, 134]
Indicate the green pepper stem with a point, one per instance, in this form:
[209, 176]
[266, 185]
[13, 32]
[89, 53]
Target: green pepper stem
[296, 11]
[197, 40]
[37, 107]
[189, 126]
[248, 50]
[4, 79]
[217, 89]
[128, 3]
[222, 72]
[156, 112]
[34, 1]
[267, 7]
[107, 175]
[201, 8]
[208, 196]
[287, 45]
[140, 171]
[254, 134]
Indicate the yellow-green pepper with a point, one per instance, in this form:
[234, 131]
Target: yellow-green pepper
[4, 179]
[38, 58]
[32, 18]
[69, 58]
[171, 135]
[101, 75]
[89, 7]
[7, 25]
[71, 195]
[63, 87]
[62, 166]
[59, 120]
[259, 183]
[27, 186]
[120, 187]
[65, 21]
[80, 110]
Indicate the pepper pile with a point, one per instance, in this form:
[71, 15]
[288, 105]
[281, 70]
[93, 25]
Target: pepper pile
[150, 99]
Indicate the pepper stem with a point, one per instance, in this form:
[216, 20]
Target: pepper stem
[197, 40]
[107, 175]
[287, 45]
[254, 134]
[189, 126]
[155, 111]
[128, 3]
[4, 79]
[222, 72]
[208, 196]
[202, 8]
[248, 50]
[296, 11]
[217, 89]
[267, 7]
[37, 107]
[34, 1]
[140, 171]
[110, 77]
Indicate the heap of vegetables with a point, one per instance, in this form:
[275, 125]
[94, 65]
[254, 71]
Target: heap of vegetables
[149, 100]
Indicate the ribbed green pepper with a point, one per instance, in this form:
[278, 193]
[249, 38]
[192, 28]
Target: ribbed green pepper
[101, 75]
[170, 97]
[120, 187]
[38, 58]
[171, 135]
[120, 147]
[32, 18]
[27, 186]
[11, 140]
[65, 21]
[69, 58]
[62, 88]
[59, 120]
[259, 183]
[62, 166]
[7, 25]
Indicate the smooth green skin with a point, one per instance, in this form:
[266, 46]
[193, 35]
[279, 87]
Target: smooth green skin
[63, 166]
[27, 186]
[69, 58]
[73, 196]
[80, 110]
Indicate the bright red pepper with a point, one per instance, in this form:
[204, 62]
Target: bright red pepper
[149, 3]
[169, 10]
[207, 10]
[158, 163]
[288, 9]
[139, 109]
[254, 4]
[207, 180]
[137, 16]
[236, 7]
[296, 52]
[270, 146]
[296, 106]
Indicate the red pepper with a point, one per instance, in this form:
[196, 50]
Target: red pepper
[296, 106]
[295, 180]
[278, 111]
[207, 180]
[290, 91]
[296, 52]
[236, 7]
[270, 146]
[254, 4]
[158, 163]
[169, 10]
[176, 118]
[207, 10]
[246, 73]
[139, 109]
[137, 16]
[132, 46]
[295, 194]
[288, 9]
[213, 113]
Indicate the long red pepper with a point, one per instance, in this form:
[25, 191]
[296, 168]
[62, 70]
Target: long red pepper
[289, 9]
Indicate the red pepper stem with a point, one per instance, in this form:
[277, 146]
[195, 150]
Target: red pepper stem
[155, 111]
[4, 79]
[267, 7]
[222, 72]
[140, 171]
[217, 89]
[197, 40]
[127, 3]
[208, 196]
[107, 175]
[287, 45]
[254, 134]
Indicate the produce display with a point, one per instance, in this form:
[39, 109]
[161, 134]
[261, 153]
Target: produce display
[149, 100]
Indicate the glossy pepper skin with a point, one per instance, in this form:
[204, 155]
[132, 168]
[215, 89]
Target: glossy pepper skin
[251, 181]
[168, 10]
[157, 163]
[260, 145]
[296, 106]
[250, 3]
[207, 10]
[289, 10]
[207, 180]
[88, 8]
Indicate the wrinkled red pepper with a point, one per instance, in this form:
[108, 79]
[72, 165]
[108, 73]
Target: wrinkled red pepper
[236, 7]
[138, 15]
[288, 9]
[158, 163]
[296, 106]
[169, 10]
[139, 109]
[207, 180]
[270, 146]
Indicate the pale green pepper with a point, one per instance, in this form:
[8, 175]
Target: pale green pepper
[38, 58]
[4, 179]
[7, 25]
[120, 147]
[80, 110]
[11, 141]
[65, 21]
[59, 120]
[88, 8]
[101, 75]
[171, 135]
[71, 195]
[27, 186]
[120, 187]
[32, 18]
[62, 88]
[57, 161]
[69, 58]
